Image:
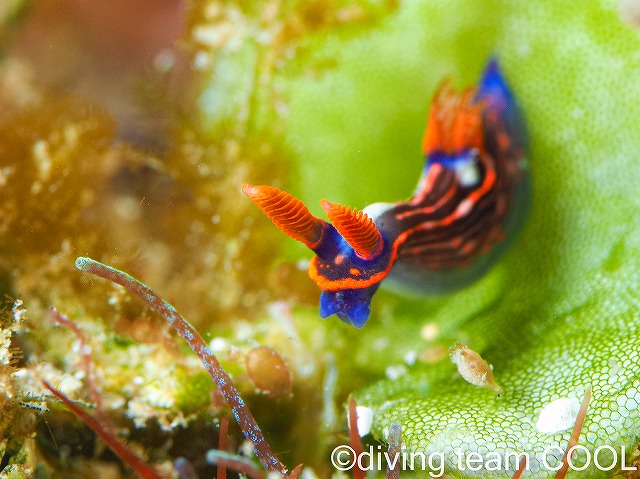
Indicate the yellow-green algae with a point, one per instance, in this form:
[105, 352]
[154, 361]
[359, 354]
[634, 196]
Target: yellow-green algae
[560, 312]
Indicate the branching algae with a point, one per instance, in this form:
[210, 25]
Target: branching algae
[239, 409]
[199, 346]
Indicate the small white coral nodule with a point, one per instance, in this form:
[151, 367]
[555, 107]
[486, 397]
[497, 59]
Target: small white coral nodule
[473, 368]
[558, 415]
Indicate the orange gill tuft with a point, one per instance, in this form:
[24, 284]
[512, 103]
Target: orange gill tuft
[454, 123]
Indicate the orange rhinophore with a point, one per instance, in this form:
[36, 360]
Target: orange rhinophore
[356, 228]
[287, 213]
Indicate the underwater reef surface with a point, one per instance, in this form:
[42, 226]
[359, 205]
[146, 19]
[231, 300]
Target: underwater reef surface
[328, 99]
[560, 312]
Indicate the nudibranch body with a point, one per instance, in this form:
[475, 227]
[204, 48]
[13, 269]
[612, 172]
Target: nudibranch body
[470, 202]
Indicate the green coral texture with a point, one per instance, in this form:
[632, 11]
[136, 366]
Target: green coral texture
[560, 312]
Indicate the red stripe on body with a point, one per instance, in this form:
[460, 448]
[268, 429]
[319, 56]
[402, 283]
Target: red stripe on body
[463, 209]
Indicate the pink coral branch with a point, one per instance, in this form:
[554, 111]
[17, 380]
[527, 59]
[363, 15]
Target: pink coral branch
[354, 438]
[296, 472]
[87, 365]
[575, 434]
[235, 462]
[222, 445]
[521, 468]
[240, 411]
[128, 456]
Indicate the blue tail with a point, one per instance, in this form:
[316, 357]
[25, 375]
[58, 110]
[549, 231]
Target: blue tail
[503, 112]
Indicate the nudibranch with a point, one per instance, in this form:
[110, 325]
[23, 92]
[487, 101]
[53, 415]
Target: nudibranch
[471, 200]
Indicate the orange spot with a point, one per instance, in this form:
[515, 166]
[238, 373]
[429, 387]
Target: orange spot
[354, 272]
[339, 259]
[503, 140]
[469, 246]
[349, 282]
